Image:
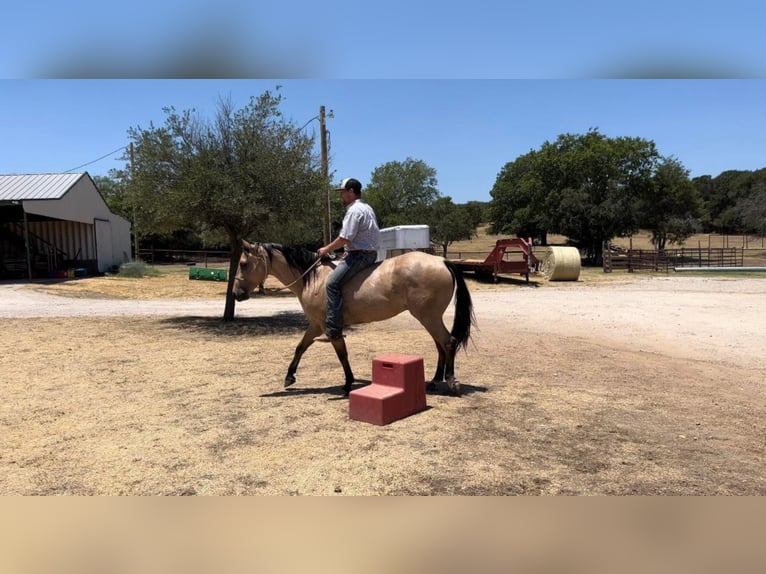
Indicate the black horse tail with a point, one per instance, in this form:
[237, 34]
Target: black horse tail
[464, 315]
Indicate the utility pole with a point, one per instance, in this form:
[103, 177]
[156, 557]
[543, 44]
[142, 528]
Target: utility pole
[135, 231]
[326, 231]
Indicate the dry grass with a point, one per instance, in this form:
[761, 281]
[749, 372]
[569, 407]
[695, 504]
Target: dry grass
[192, 406]
[482, 244]
[171, 282]
[641, 240]
[185, 405]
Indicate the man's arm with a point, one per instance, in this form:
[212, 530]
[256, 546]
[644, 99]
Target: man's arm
[334, 245]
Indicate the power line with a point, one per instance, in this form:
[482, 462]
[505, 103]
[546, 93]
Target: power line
[99, 159]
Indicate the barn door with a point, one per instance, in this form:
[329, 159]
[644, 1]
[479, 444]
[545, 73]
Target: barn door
[103, 244]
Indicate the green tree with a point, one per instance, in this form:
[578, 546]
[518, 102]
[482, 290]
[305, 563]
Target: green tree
[478, 212]
[672, 205]
[518, 200]
[585, 186]
[246, 171]
[112, 189]
[401, 192]
[603, 180]
[722, 194]
[752, 210]
[449, 222]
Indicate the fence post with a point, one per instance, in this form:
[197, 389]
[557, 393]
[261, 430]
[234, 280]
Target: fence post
[606, 257]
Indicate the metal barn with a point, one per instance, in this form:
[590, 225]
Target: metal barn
[53, 224]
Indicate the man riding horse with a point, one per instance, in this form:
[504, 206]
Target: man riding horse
[359, 237]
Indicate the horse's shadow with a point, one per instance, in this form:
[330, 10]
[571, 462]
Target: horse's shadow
[283, 323]
[336, 393]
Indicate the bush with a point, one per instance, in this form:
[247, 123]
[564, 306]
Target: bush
[137, 269]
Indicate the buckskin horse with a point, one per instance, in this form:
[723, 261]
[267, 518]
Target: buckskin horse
[420, 283]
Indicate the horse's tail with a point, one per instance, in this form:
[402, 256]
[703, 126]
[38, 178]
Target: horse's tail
[464, 316]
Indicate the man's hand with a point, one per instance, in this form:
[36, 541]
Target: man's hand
[337, 243]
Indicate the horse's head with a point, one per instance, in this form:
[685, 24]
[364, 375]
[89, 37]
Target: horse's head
[252, 270]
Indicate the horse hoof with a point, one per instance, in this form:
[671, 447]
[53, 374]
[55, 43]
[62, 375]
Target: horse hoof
[289, 381]
[454, 388]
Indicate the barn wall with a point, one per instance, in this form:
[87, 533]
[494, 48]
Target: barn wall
[82, 203]
[68, 225]
[74, 238]
[121, 246]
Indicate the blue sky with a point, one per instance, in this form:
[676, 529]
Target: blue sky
[465, 87]
[411, 39]
[465, 129]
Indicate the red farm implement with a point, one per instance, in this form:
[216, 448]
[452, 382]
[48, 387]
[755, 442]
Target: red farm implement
[509, 256]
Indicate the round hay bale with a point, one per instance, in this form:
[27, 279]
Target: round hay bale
[562, 264]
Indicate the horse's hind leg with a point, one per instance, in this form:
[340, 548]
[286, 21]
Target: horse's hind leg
[308, 338]
[449, 367]
[339, 345]
[439, 374]
[445, 365]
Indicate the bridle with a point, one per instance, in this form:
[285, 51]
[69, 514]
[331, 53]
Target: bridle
[265, 260]
[259, 259]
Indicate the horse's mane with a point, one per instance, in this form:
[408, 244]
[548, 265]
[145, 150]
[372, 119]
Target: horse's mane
[296, 257]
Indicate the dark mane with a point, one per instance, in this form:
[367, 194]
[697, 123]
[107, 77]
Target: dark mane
[297, 257]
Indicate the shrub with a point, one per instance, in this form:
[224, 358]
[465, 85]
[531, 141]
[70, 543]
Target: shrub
[137, 269]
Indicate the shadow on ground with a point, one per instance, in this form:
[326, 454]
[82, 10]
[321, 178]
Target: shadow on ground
[485, 279]
[284, 323]
[336, 391]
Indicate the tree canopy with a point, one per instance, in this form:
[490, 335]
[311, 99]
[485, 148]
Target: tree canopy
[586, 187]
[401, 192]
[726, 197]
[246, 172]
[250, 173]
[671, 205]
[449, 222]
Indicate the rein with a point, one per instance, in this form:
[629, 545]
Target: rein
[304, 273]
[264, 260]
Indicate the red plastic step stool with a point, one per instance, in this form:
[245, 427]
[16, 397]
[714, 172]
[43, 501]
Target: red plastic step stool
[398, 390]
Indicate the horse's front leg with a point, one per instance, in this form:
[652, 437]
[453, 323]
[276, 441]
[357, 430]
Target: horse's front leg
[308, 338]
[340, 349]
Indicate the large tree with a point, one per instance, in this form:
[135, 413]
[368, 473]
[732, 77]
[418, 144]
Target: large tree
[112, 189]
[449, 222]
[584, 186]
[752, 210]
[401, 191]
[722, 196]
[671, 206]
[245, 172]
[519, 199]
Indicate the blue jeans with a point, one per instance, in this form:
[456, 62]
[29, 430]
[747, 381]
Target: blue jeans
[350, 265]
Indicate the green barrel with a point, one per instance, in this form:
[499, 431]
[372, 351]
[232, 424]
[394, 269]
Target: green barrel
[204, 274]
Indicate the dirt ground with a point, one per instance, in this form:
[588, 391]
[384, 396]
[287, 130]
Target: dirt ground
[650, 385]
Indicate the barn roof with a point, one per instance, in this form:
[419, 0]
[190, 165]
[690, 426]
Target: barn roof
[37, 186]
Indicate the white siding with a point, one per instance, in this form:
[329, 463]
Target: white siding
[81, 203]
